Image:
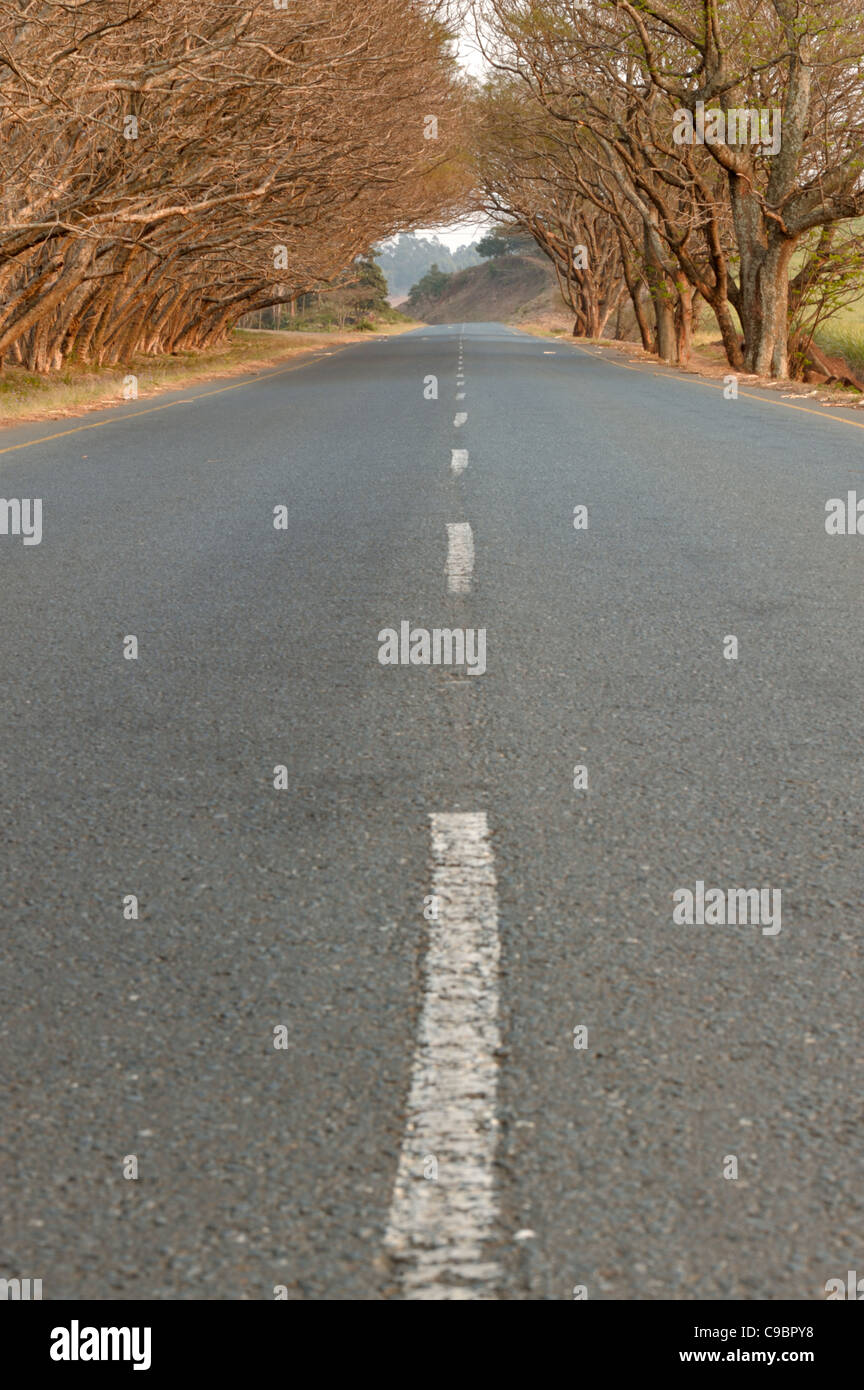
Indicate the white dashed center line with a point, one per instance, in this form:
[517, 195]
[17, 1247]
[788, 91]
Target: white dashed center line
[458, 461]
[460, 557]
[460, 419]
[444, 1211]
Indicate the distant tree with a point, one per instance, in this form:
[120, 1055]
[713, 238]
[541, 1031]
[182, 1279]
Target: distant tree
[432, 286]
[371, 292]
[492, 245]
[504, 241]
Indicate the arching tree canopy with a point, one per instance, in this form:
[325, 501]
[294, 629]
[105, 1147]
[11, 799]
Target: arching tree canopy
[167, 167]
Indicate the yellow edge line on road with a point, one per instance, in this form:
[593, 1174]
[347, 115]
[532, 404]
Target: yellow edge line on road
[260, 376]
[689, 381]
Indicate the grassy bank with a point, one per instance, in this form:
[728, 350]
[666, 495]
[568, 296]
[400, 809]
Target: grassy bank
[843, 336]
[78, 388]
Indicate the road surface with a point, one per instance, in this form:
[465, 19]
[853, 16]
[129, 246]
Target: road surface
[325, 1092]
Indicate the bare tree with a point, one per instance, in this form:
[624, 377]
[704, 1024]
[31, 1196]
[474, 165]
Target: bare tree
[715, 137]
[168, 167]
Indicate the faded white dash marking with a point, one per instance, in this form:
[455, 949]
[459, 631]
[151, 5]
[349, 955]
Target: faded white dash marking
[460, 395]
[458, 461]
[444, 1212]
[460, 557]
[460, 418]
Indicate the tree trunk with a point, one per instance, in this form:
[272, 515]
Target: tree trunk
[764, 284]
[764, 307]
[684, 322]
[729, 333]
[662, 295]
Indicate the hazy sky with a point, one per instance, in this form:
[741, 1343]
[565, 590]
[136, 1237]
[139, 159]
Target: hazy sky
[457, 233]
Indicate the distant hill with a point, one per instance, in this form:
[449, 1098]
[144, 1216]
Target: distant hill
[505, 289]
[407, 258]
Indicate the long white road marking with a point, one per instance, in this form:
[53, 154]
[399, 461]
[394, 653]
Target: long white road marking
[444, 1211]
[460, 557]
[458, 461]
[460, 418]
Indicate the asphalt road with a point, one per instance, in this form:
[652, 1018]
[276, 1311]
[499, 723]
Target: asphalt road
[302, 908]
